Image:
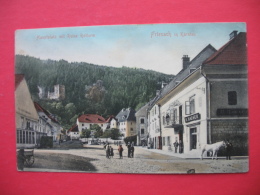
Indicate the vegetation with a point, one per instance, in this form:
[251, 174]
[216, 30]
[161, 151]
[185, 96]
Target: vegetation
[85, 133]
[119, 87]
[112, 133]
[131, 139]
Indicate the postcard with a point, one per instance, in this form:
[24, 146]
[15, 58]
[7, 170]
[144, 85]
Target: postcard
[144, 99]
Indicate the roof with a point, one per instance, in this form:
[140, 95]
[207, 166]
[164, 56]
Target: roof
[126, 115]
[194, 64]
[91, 118]
[74, 128]
[110, 118]
[234, 52]
[41, 109]
[18, 79]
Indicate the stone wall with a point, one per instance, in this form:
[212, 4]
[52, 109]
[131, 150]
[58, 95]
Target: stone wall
[236, 131]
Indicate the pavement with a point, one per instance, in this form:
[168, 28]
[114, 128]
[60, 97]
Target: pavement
[145, 161]
[191, 155]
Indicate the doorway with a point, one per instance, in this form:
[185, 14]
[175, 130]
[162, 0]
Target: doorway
[193, 138]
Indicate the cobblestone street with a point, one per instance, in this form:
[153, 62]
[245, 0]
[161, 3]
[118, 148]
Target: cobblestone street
[92, 158]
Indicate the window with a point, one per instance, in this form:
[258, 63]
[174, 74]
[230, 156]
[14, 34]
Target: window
[163, 141]
[82, 125]
[187, 107]
[131, 129]
[192, 70]
[142, 131]
[28, 125]
[142, 121]
[190, 106]
[168, 140]
[232, 98]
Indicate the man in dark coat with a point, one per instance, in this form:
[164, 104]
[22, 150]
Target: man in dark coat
[120, 150]
[229, 148]
[129, 150]
[181, 147]
[132, 150]
[176, 144]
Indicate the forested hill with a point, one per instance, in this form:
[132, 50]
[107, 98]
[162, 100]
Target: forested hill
[121, 87]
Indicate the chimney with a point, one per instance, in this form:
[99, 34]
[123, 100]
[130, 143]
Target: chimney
[233, 34]
[185, 61]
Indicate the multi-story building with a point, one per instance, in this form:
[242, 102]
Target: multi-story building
[48, 124]
[227, 94]
[183, 105]
[154, 124]
[141, 125]
[86, 121]
[26, 115]
[127, 122]
[207, 101]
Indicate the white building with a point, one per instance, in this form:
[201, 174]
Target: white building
[86, 121]
[207, 100]
[48, 125]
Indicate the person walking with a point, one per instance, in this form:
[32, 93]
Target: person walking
[120, 150]
[132, 151]
[111, 152]
[108, 151]
[129, 150]
[176, 144]
[229, 148]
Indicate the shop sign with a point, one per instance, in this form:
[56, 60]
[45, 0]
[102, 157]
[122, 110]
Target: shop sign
[193, 117]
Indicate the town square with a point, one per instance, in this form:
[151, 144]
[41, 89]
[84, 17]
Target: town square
[83, 117]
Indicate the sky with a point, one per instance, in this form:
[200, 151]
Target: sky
[158, 47]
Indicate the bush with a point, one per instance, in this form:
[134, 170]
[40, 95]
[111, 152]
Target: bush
[131, 139]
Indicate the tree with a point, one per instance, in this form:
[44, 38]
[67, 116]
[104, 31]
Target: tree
[112, 133]
[97, 129]
[85, 133]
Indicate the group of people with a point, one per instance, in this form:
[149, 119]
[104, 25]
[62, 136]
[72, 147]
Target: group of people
[180, 145]
[110, 151]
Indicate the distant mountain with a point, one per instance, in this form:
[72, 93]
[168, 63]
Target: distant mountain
[89, 88]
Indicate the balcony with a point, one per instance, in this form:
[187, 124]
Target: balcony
[173, 122]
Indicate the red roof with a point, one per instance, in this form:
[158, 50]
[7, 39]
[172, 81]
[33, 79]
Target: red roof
[74, 128]
[233, 52]
[18, 79]
[41, 109]
[91, 118]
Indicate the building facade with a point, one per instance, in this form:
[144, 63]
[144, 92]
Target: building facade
[227, 83]
[48, 124]
[26, 115]
[141, 126]
[127, 122]
[206, 102]
[86, 121]
[183, 106]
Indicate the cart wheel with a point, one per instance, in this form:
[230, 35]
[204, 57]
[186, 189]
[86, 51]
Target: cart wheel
[29, 161]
